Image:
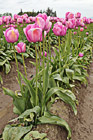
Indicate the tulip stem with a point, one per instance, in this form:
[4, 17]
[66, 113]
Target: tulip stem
[43, 97]
[49, 47]
[24, 65]
[17, 68]
[47, 50]
[36, 76]
[59, 54]
[39, 57]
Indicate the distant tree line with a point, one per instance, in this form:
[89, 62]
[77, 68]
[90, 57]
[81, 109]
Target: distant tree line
[6, 14]
[49, 12]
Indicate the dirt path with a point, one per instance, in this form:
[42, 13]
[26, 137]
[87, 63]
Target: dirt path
[82, 124]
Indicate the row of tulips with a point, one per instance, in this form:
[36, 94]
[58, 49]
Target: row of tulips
[55, 74]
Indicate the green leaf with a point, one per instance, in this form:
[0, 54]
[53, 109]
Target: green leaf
[7, 68]
[52, 82]
[19, 102]
[3, 62]
[70, 73]
[50, 119]
[78, 70]
[30, 88]
[35, 135]
[9, 92]
[19, 58]
[15, 133]
[35, 110]
[80, 78]
[65, 80]
[33, 63]
[68, 100]
[65, 95]
[57, 77]
[1, 80]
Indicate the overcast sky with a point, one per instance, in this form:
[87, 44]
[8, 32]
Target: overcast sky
[60, 6]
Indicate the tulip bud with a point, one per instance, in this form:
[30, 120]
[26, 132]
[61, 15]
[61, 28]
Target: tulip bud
[45, 54]
[81, 29]
[21, 47]
[80, 54]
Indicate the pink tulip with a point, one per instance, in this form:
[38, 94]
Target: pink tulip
[85, 27]
[75, 33]
[79, 22]
[19, 20]
[87, 33]
[28, 20]
[71, 23]
[21, 47]
[76, 28]
[6, 19]
[77, 15]
[59, 29]
[45, 54]
[66, 15]
[69, 15]
[33, 33]
[15, 16]
[81, 29]
[44, 16]
[24, 16]
[40, 22]
[81, 55]
[11, 34]
[1, 21]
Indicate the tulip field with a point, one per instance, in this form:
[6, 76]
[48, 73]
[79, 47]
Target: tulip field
[62, 50]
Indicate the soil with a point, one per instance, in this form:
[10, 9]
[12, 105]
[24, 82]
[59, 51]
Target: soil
[81, 125]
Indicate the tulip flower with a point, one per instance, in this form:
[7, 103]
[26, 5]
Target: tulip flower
[71, 23]
[19, 20]
[66, 15]
[33, 33]
[44, 54]
[59, 29]
[81, 55]
[77, 15]
[87, 33]
[40, 22]
[1, 21]
[75, 33]
[85, 27]
[43, 22]
[21, 47]
[81, 29]
[11, 34]
[69, 15]
[76, 28]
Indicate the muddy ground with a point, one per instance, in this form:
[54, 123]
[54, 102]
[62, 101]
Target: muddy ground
[81, 125]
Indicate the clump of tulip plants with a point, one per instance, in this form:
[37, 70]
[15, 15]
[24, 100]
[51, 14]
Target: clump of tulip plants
[32, 103]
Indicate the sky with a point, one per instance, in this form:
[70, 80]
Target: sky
[60, 6]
